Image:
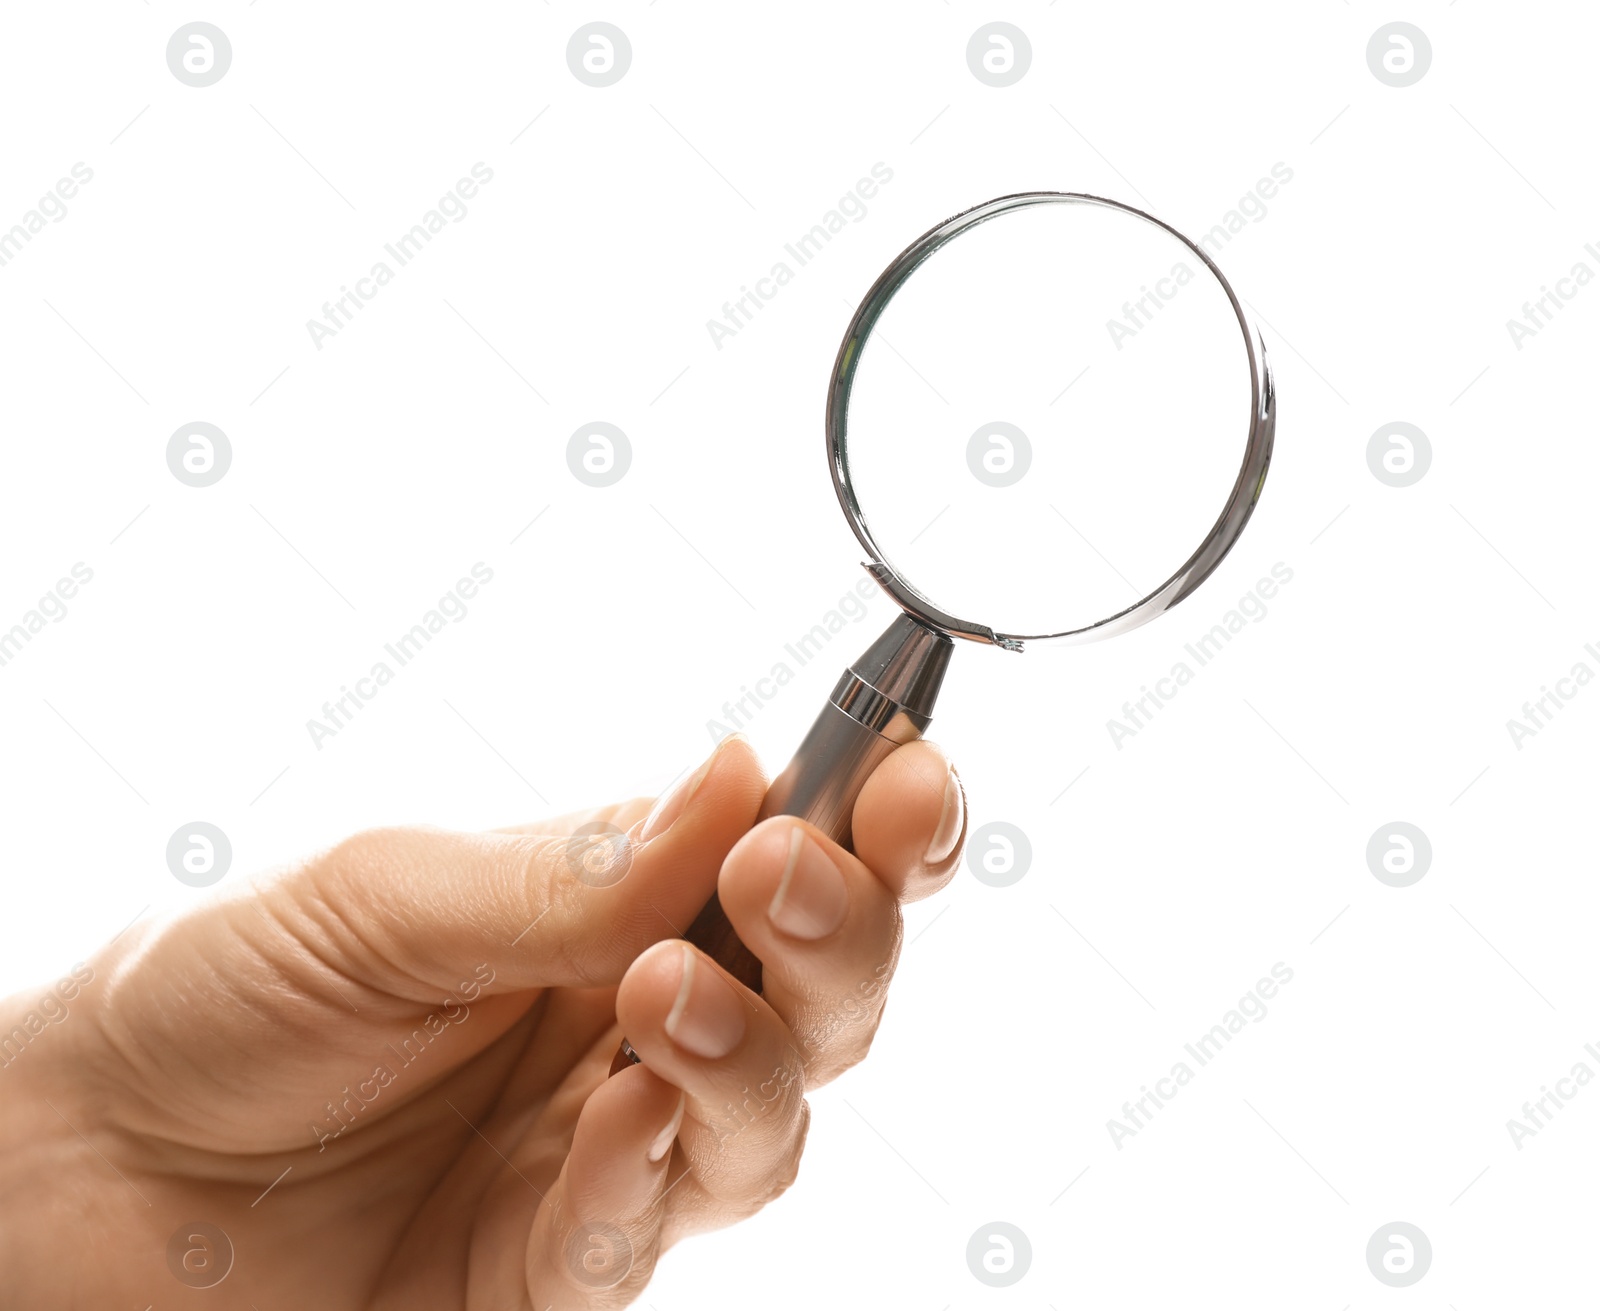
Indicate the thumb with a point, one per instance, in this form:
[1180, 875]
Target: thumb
[407, 908]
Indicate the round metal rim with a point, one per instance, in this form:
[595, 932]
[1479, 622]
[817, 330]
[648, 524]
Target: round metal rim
[1195, 570]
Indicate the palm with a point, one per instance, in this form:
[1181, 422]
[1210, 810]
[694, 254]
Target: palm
[446, 1124]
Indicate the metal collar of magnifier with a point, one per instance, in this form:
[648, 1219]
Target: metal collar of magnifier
[1194, 571]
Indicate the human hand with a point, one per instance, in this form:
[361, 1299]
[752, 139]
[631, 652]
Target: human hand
[378, 1079]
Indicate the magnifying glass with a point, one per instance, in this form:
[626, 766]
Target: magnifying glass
[1061, 418]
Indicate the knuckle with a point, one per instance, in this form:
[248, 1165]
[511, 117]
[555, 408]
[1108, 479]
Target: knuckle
[842, 1032]
[363, 850]
[551, 903]
[752, 1185]
[577, 922]
[342, 877]
[766, 1118]
[788, 1167]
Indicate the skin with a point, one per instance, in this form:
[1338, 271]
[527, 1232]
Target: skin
[496, 1167]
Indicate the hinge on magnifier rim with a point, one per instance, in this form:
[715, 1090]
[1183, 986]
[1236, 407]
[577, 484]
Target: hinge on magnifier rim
[926, 612]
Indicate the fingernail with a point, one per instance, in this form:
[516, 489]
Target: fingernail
[707, 1019]
[664, 1140]
[811, 900]
[667, 809]
[951, 819]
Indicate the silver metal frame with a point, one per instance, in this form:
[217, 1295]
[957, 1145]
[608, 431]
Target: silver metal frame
[1194, 571]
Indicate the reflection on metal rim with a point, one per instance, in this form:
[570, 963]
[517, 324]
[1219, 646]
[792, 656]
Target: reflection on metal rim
[1189, 575]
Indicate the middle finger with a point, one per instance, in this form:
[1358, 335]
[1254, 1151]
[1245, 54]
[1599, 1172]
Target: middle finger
[827, 931]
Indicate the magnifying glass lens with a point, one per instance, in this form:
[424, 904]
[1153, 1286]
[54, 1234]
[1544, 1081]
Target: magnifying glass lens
[1048, 416]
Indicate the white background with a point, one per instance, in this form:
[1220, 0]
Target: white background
[1229, 835]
